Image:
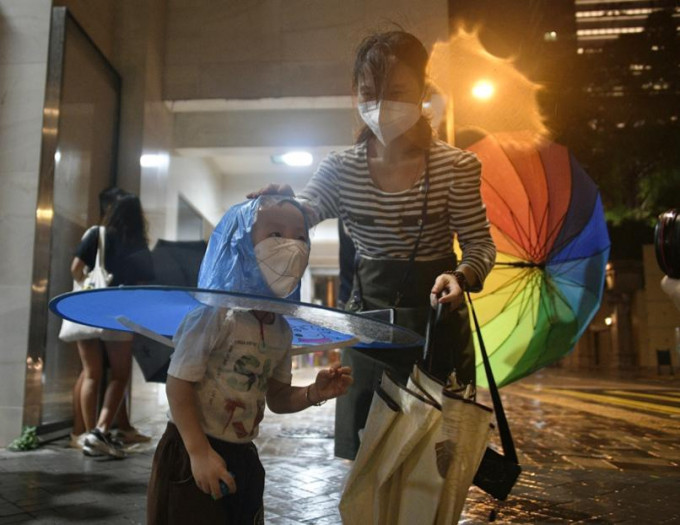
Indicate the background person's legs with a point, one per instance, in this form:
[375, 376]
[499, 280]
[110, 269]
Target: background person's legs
[79, 429]
[98, 441]
[92, 360]
[120, 361]
[78, 421]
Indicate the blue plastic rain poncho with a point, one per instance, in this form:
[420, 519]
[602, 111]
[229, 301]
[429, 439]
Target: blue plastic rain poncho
[229, 263]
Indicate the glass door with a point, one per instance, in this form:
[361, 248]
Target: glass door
[79, 151]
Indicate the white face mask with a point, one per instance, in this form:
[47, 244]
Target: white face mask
[282, 262]
[389, 119]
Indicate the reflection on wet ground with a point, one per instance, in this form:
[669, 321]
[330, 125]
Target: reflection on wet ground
[593, 450]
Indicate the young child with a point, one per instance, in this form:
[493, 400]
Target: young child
[226, 363]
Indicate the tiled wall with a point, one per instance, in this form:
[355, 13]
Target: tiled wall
[24, 31]
[280, 48]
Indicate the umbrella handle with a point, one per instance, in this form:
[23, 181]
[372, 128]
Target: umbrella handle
[433, 320]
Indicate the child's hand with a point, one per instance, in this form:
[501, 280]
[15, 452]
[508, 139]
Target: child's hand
[332, 382]
[208, 469]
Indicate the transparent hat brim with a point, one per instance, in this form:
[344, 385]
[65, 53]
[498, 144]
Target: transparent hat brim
[160, 309]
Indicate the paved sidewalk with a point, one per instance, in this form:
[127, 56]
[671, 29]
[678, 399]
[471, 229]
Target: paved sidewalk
[584, 462]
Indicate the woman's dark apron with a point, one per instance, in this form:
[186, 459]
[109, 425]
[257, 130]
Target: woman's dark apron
[376, 283]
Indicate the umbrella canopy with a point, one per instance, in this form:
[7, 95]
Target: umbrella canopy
[176, 263]
[466, 426]
[548, 224]
[418, 456]
[381, 487]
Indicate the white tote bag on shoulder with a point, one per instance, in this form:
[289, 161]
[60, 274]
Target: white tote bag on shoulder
[98, 277]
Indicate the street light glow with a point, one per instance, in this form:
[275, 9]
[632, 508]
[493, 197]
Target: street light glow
[483, 90]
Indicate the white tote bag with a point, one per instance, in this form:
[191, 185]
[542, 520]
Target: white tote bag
[98, 277]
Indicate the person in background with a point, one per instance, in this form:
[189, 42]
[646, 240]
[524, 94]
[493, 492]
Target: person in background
[402, 196]
[124, 431]
[128, 259]
[226, 364]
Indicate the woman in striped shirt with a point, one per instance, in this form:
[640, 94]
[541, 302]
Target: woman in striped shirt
[402, 196]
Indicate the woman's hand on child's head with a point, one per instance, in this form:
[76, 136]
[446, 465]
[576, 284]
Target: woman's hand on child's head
[333, 382]
[272, 189]
[208, 469]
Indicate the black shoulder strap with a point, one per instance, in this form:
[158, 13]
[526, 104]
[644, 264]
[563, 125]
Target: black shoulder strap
[358, 292]
[503, 427]
[423, 219]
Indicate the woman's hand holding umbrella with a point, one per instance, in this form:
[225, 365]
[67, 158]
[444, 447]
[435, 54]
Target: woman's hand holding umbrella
[447, 290]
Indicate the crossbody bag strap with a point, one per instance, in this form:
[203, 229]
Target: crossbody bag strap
[101, 249]
[359, 295]
[423, 218]
[503, 427]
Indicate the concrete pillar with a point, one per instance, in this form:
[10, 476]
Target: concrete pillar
[24, 32]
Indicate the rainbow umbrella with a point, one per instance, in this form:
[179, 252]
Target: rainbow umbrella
[548, 224]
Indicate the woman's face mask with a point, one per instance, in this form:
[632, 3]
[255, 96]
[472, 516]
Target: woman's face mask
[388, 119]
[282, 262]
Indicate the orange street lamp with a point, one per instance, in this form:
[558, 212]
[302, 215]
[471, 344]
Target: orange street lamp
[483, 90]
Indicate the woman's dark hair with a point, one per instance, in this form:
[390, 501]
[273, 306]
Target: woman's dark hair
[376, 55]
[377, 51]
[126, 219]
[108, 197]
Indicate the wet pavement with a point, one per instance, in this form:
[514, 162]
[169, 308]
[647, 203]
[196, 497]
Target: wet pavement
[593, 450]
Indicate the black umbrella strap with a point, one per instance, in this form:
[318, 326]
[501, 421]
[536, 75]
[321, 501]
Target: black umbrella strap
[503, 427]
[433, 319]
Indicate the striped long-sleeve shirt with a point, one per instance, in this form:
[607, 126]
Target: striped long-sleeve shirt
[385, 225]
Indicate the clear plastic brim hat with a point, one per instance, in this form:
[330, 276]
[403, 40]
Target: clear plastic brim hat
[157, 311]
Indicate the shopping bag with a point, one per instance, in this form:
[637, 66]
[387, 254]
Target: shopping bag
[98, 277]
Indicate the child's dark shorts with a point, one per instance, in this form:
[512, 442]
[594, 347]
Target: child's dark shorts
[174, 498]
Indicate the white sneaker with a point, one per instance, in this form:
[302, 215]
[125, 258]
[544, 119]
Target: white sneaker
[96, 440]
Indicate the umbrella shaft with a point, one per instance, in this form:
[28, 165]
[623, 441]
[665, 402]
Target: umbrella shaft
[522, 264]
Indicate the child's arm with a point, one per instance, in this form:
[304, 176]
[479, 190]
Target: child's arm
[207, 466]
[282, 398]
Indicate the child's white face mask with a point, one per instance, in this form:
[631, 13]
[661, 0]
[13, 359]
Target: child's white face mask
[282, 262]
[389, 119]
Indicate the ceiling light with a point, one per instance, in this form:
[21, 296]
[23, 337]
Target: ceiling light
[151, 161]
[294, 158]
